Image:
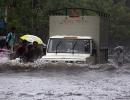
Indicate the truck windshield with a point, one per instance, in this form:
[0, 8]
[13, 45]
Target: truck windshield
[69, 46]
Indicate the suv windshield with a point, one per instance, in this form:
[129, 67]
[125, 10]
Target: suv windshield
[69, 45]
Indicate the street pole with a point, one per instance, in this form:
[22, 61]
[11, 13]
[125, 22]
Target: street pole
[32, 17]
[6, 13]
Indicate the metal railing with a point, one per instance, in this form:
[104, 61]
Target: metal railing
[83, 12]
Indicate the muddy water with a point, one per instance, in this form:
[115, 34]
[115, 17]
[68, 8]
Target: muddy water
[47, 81]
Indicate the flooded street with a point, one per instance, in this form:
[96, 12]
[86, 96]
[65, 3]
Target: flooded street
[66, 84]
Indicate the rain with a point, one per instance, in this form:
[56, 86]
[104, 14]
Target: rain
[64, 50]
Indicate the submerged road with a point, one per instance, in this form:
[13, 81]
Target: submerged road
[70, 84]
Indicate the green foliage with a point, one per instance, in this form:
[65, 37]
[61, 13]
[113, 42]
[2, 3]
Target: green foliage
[29, 19]
[120, 18]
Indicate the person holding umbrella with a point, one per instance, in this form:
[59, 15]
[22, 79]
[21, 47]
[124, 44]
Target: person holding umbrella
[34, 48]
[33, 52]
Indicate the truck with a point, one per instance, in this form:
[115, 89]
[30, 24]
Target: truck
[78, 35]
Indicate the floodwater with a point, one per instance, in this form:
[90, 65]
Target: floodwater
[62, 82]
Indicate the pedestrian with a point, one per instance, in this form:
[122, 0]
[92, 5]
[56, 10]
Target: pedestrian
[119, 55]
[2, 42]
[21, 50]
[10, 39]
[37, 52]
[29, 53]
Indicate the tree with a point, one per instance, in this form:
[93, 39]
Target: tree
[32, 16]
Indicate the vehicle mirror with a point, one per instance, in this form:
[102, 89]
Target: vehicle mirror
[94, 52]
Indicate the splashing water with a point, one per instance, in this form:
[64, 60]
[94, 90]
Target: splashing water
[4, 58]
[40, 64]
[16, 64]
[42, 80]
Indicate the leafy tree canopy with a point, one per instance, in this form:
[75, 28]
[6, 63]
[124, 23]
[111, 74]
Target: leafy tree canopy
[31, 16]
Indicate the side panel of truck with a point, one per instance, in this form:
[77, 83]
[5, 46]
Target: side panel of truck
[103, 40]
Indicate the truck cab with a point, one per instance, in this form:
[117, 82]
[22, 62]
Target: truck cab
[69, 49]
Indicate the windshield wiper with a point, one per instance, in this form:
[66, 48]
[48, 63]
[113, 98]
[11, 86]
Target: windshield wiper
[74, 46]
[57, 45]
